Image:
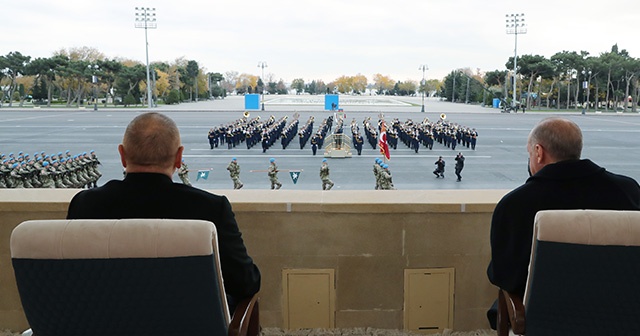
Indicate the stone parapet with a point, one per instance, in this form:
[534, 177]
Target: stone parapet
[368, 237]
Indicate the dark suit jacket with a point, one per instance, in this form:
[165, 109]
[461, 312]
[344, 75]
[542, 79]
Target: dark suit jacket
[573, 184]
[148, 195]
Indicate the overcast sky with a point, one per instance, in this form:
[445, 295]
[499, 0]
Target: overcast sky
[323, 39]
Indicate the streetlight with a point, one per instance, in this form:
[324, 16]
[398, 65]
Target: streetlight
[453, 91]
[515, 25]
[146, 18]
[424, 68]
[585, 85]
[94, 81]
[262, 64]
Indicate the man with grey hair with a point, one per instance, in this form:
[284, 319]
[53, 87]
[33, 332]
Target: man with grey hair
[151, 152]
[558, 180]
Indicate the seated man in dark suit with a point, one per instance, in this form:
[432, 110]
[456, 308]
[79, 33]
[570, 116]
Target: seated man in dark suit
[151, 152]
[559, 180]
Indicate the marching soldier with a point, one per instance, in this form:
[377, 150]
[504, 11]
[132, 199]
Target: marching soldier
[377, 170]
[459, 166]
[474, 138]
[272, 172]
[327, 184]
[3, 174]
[386, 181]
[234, 172]
[183, 173]
[45, 176]
[16, 179]
[358, 141]
[439, 172]
[314, 144]
[57, 174]
[213, 138]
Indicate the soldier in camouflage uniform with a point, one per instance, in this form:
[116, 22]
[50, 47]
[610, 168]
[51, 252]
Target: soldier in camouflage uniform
[45, 176]
[34, 174]
[68, 175]
[94, 168]
[78, 168]
[4, 174]
[16, 179]
[272, 172]
[57, 174]
[377, 172]
[234, 172]
[183, 173]
[327, 184]
[386, 182]
[25, 175]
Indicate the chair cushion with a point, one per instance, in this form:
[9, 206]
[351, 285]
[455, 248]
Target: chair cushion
[589, 227]
[123, 238]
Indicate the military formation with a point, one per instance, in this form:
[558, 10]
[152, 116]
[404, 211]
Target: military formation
[414, 135]
[426, 133]
[254, 131]
[49, 170]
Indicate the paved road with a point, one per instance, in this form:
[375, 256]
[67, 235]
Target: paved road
[499, 161]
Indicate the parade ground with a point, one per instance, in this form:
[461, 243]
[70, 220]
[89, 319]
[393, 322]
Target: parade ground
[498, 162]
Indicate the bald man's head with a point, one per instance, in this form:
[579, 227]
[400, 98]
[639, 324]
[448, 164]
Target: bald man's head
[561, 138]
[151, 140]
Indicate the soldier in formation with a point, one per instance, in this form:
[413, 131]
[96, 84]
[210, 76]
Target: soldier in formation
[234, 173]
[327, 184]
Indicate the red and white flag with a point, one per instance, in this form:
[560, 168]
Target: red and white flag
[382, 142]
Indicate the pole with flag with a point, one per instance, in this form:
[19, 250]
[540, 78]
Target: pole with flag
[382, 142]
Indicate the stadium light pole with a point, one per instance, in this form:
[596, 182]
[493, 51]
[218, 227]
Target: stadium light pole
[424, 68]
[262, 64]
[515, 25]
[146, 18]
[94, 80]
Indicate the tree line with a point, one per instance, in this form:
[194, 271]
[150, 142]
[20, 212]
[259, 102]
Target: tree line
[567, 79]
[79, 75]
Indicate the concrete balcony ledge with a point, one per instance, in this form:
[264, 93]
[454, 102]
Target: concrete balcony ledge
[347, 201]
[368, 238]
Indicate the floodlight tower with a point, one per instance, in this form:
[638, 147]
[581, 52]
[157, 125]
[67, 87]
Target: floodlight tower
[515, 25]
[424, 68]
[146, 18]
[262, 64]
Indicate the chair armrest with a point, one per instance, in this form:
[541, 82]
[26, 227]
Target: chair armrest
[510, 313]
[246, 318]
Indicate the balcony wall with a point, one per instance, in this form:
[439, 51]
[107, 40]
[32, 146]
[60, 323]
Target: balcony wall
[368, 237]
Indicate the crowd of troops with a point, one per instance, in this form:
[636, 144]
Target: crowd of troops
[49, 171]
[254, 131]
[414, 135]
